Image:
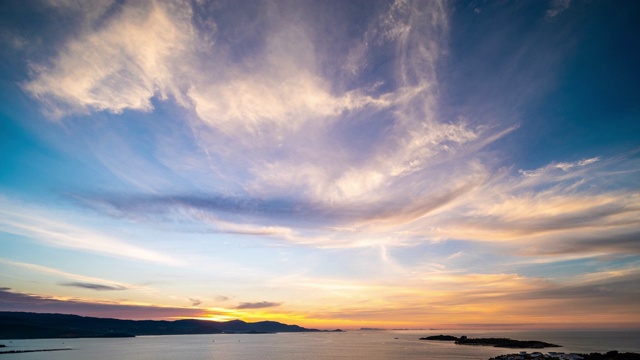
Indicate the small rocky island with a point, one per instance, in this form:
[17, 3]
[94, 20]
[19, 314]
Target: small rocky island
[440, 338]
[495, 342]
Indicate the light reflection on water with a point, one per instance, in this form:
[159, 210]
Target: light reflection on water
[370, 345]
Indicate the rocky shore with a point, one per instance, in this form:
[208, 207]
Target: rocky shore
[611, 355]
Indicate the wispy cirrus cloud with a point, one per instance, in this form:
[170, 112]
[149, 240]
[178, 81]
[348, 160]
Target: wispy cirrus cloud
[82, 281]
[564, 166]
[556, 8]
[118, 65]
[258, 139]
[531, 206]
[41, 225]
[254, 112]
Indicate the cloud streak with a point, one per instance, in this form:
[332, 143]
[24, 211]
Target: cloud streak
[78, 279]
[257, 305]
[96, 287]
[16, 219]
[17, 301]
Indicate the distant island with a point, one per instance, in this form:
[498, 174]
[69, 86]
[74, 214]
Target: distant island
[495, 342]
[440, 338]
[25, 325]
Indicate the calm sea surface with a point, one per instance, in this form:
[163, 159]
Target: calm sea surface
[368, 345]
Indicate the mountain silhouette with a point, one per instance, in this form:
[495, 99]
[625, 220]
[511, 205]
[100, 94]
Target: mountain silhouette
[26, 325]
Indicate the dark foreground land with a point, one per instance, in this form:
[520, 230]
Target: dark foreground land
[495, 342]
[23, 325]
[611, 355]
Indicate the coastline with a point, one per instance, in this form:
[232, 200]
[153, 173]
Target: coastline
[611, 355]
[3, 352]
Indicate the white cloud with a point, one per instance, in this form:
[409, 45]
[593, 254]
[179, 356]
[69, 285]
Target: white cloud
[417, 134]
[270, 95]
[274, 96]
[271, 105]
[121, 65]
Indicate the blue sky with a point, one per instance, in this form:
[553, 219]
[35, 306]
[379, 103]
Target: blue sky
[356, 163]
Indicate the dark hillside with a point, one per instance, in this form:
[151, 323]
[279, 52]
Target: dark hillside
[23, 325]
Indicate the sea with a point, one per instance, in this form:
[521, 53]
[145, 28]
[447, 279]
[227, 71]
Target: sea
[361, 344]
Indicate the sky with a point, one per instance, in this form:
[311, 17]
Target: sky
[392, 164]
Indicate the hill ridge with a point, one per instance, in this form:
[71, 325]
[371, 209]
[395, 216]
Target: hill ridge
[30, 325]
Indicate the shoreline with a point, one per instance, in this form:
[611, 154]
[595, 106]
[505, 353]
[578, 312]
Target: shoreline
[611, 355]
[3, 352]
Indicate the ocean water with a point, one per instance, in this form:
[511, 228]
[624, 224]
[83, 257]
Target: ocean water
[370, 345]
